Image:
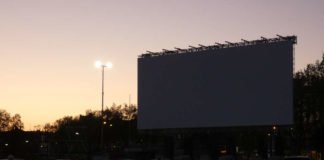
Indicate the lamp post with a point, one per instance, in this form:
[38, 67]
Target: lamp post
[101, 65]
[274, 134]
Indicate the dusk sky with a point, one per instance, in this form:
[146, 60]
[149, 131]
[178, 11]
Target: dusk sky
[48, 47]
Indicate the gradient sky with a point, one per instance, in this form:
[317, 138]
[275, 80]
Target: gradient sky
[48, 47]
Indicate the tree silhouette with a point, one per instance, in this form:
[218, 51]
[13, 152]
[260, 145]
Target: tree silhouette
[79, 135]
[309, 106]
[16, 123]
[4, 120]
[8, 123]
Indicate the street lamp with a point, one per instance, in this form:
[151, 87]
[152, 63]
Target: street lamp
[273, 140]
[101, 65]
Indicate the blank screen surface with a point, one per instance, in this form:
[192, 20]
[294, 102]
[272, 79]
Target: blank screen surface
[238, 86]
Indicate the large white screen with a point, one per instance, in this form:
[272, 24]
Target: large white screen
[238, 86]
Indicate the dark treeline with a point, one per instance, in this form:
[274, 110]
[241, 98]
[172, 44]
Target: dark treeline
[309, 106]
[79, 137]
